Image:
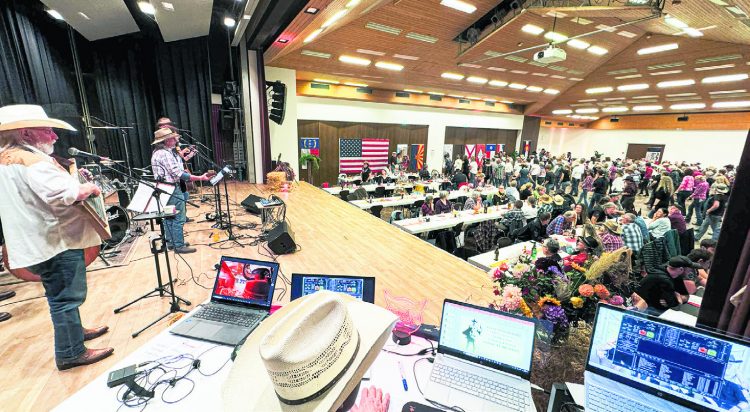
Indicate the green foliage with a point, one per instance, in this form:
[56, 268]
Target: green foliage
[307, 157]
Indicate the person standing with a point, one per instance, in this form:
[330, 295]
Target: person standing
[167, 167]
[45, 226]
[458, 164]
[647, 173]
[586, 186]
[447, 165]
[628, 194]
[685, 189]
[599, 188]
[662, 194]
[715, 212]
[498, 172]
[576, 176]
[699, 195]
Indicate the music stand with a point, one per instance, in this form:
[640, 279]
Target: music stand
[229, 226]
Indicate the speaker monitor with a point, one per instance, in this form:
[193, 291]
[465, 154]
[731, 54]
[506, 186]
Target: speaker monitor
[249, 204]
[281, 239]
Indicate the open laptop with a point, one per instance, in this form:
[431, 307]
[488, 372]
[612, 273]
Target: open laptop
[484, 360]
[240, 300]
[360, 287]
[638, 362]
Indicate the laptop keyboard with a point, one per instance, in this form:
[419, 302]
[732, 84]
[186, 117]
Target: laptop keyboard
[493, 391]
[600, 399]
[228, 316]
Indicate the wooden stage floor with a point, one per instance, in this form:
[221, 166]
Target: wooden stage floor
[334, 237]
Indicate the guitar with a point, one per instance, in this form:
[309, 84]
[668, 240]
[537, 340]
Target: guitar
[186, 154]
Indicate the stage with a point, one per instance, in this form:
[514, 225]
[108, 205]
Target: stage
[333, 237]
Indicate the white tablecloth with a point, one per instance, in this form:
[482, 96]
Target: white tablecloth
[487, 261]
[447, 220]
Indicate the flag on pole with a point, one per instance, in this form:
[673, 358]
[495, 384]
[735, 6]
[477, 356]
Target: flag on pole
[353, 152]
[417, 157]
[310, 145]
[490, 150]
[526, 147]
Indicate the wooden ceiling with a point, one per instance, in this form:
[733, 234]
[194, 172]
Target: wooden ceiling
[723, 35]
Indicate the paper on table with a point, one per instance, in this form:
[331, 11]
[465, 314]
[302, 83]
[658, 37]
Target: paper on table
[695, 300]
[577, 392]
[679, 317]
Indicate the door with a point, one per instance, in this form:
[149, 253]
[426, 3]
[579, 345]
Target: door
[650, 152]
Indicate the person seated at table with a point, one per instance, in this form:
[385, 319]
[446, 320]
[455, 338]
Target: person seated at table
[500, 198]
[529, 209]
[535, 230]
[660, 225]
[459, 179]
[597, 213]
[585, 247]
[611, 211]
[709, 245]
[402, 177]
[611, 236]
[539, 191]
[365, 171]
[424, 174]
[703, 258]
[512, 191]
[558, 206]
[663, 287]
[550, 257]
[581, 215]
[474, 201]
[544, 204]
[428, 207]
[564, 222]
[526, 191]
[513, 219]
[443, 205]
[677, 219]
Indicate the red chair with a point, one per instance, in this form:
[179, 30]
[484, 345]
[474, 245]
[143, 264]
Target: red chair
[325, 185]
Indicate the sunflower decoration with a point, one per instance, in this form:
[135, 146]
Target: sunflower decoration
[547, 300]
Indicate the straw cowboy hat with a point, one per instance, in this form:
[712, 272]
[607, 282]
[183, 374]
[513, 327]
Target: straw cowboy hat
[308, 356]
[21, 116]
[613, 227]
[721, 188]
[545, 198]
[559, 200]
[163, 134]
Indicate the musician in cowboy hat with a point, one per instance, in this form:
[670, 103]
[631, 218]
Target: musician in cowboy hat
[45, 226]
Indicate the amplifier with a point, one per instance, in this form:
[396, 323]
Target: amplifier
[249, 204]
[281, 239]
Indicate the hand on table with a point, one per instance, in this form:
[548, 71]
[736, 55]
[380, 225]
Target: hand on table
[372, 400]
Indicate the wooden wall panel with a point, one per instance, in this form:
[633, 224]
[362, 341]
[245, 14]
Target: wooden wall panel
[696, 121]
[330, 133]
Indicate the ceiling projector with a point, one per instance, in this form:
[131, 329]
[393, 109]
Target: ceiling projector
[550, 55]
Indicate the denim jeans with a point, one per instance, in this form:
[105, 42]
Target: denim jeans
[173, 227]
[595, 199]
[574, 190]
[711, 220]
[583, 197]
[699, 207]
[64, 281]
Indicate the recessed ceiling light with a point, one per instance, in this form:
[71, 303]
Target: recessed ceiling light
[534, 89]
[436, 93]
[354, 60]
[659, 48]
[551, 91]
[334, 18]
[389, 66]
[518, 86]
[311, 10]
[167, 5]
[56, 14]
[562, 111]
[473, 66]
[687, 106]
[326, 81]
[413, 91]
[229, 22]
[476, 80]
[676, 83]
[575, 79]
[532, 29]
[725, 78]
[500, 69]
[666, 72]
[312, 53]
[615, 109]
[596, 90]
[587, 110]
[282, 40]
[498, 83]
[555, 37]
[599, 51]
[459, 5]
[675, 22]
[146, 7]
[649, 108]
[373, 52]
[355, 84]
[310, 37]
[728, 91]
[629, 87]
[578, 44]
[721, 66]
[731, 105]
[452, 76]
[405, 57]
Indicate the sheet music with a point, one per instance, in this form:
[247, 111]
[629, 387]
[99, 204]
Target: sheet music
[143, 202]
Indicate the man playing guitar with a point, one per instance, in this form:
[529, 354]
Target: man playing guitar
[45, 226]
[185, 154]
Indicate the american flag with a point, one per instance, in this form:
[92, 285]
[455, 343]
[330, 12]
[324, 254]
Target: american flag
[352, 152]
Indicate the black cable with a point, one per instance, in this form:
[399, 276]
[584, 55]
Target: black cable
[423, 351]
[436, 404]
[22, 300]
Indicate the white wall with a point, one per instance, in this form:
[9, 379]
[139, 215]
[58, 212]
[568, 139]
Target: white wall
[710, 147]
[316, 108]
[284, 137]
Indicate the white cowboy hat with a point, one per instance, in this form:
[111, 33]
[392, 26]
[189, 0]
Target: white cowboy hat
[163, 134]
[308, 356]
[21, 116]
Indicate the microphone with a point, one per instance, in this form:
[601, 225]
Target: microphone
[80, 153]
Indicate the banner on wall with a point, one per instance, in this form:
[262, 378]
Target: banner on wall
[526, 147]
[309, 145]
[416, 161]
[402, 149]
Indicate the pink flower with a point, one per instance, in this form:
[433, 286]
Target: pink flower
[616, 300]
[586, 290]
[496, 291]
[511, 297]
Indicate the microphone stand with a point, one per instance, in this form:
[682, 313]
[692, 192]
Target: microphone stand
[123, 133]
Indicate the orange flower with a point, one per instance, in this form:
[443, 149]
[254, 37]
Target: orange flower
[601, 291]
[586, 290]
[547, 299]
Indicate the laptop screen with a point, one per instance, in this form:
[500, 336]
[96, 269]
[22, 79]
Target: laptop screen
[245, 281]
[495, 339]
[362, 288]
[682, 364]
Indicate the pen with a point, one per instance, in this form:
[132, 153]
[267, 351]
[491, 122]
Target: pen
[403, 378]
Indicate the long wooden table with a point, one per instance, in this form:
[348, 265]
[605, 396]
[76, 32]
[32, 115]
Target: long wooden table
[419, 225]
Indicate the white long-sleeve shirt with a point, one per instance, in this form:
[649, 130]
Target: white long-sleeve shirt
[38, 208]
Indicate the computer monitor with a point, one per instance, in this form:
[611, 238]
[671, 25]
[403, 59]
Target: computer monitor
[245, 281]
[485, 336]
[684, 365]
[360, 287]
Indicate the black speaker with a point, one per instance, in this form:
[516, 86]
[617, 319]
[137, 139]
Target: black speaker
[281, 239]
[249, 204]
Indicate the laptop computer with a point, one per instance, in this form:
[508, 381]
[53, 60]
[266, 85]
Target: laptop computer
[240, 300]
[360, 287]
[638, 362]
[484, 360]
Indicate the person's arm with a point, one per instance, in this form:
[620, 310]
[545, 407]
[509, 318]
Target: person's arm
[54, 185]
[713, 207]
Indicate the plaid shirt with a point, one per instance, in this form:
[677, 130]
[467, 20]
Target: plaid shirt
[166, 165]
[632, 237]
[557, 226]
[515, 215]
[688, 182]
[611, 242]
[545, 207]
[700, 191]
[588, 184]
